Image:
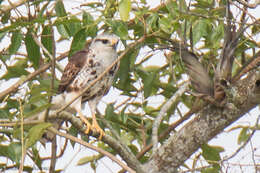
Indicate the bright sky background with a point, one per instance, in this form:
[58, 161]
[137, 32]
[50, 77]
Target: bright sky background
[72, 155]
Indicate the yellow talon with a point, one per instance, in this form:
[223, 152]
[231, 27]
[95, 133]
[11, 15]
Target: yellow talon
[86, 122]
[98, 129]
[88, 127]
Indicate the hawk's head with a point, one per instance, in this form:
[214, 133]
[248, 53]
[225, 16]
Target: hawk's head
[105, 42]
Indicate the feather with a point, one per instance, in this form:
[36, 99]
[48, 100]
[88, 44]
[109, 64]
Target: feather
[74, 66]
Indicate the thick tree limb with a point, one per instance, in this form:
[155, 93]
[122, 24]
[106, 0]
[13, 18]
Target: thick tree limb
[127, 156]
[206, 125]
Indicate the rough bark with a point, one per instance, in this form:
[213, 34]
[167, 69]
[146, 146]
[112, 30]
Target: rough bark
[209, 122]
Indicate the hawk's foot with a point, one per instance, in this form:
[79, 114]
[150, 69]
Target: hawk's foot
[98, 129]
[87, 123]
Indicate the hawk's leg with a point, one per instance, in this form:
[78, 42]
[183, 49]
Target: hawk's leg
[85, 121]
[77, 106]
[93, 105]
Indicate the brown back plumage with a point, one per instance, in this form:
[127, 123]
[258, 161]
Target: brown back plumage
[76, 62]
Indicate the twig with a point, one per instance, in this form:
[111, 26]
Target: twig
[253, 156]
[22, 139]
[245, 143]
[53, 62]
[15, 123]
[61, 151]
[254, 5]
[53, 154]
[169, 129]
[81, 142]
[53, 75]
[13, 5]
[35, 38]
[196, 169]
[162, 113]
[252, 17]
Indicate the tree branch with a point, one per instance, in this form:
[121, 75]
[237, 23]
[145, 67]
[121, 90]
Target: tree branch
[127, 156]
[209, 122]
[162, 113]
[15, 86]
[72, 138]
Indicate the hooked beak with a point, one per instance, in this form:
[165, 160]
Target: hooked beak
[114, 43]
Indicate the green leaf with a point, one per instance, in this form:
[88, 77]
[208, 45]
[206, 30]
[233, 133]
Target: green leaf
[78, 42]
[12, 151]
[74, 132]
[63, 31]
[126, 137]
[126, 64]
[123, 116]
[73, 25]
[16, 41]
[2, 35]
[43, 9]
[124, 9]
[109, 112]
[35, 133]
[5, 17]
[148, 79]
[32, 49]
[166, 25]
[34, 111]
[89, 24]
[36, 157]
[87, 18]
[87, 159]
[4, 113]
[110, 8]
[211, 153]
[210, 170]
[17, 70]
[119, 28]
[243, 135]
[113, 117]
[123, 72]
[60, 9]
[152, 22]
[46, 39]
[199, 30]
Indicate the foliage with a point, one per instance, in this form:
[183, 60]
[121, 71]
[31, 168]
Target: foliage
[199, 23]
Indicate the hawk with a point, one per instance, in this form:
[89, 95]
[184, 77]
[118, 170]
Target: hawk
[84, 67]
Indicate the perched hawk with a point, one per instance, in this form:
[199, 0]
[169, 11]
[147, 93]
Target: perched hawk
[84, 67]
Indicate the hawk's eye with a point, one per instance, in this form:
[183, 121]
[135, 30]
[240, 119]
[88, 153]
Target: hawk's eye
[104, 41]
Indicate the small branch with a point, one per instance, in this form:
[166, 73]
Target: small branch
[15, 123]
[53, 155]
[248, 66]
[81, 142]
[35, 38]
[162, 113]
[15, 86]
[245, 143]
[254, 5]
[169, 129]
[22, 138]
[5, 8]
[61, 151]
